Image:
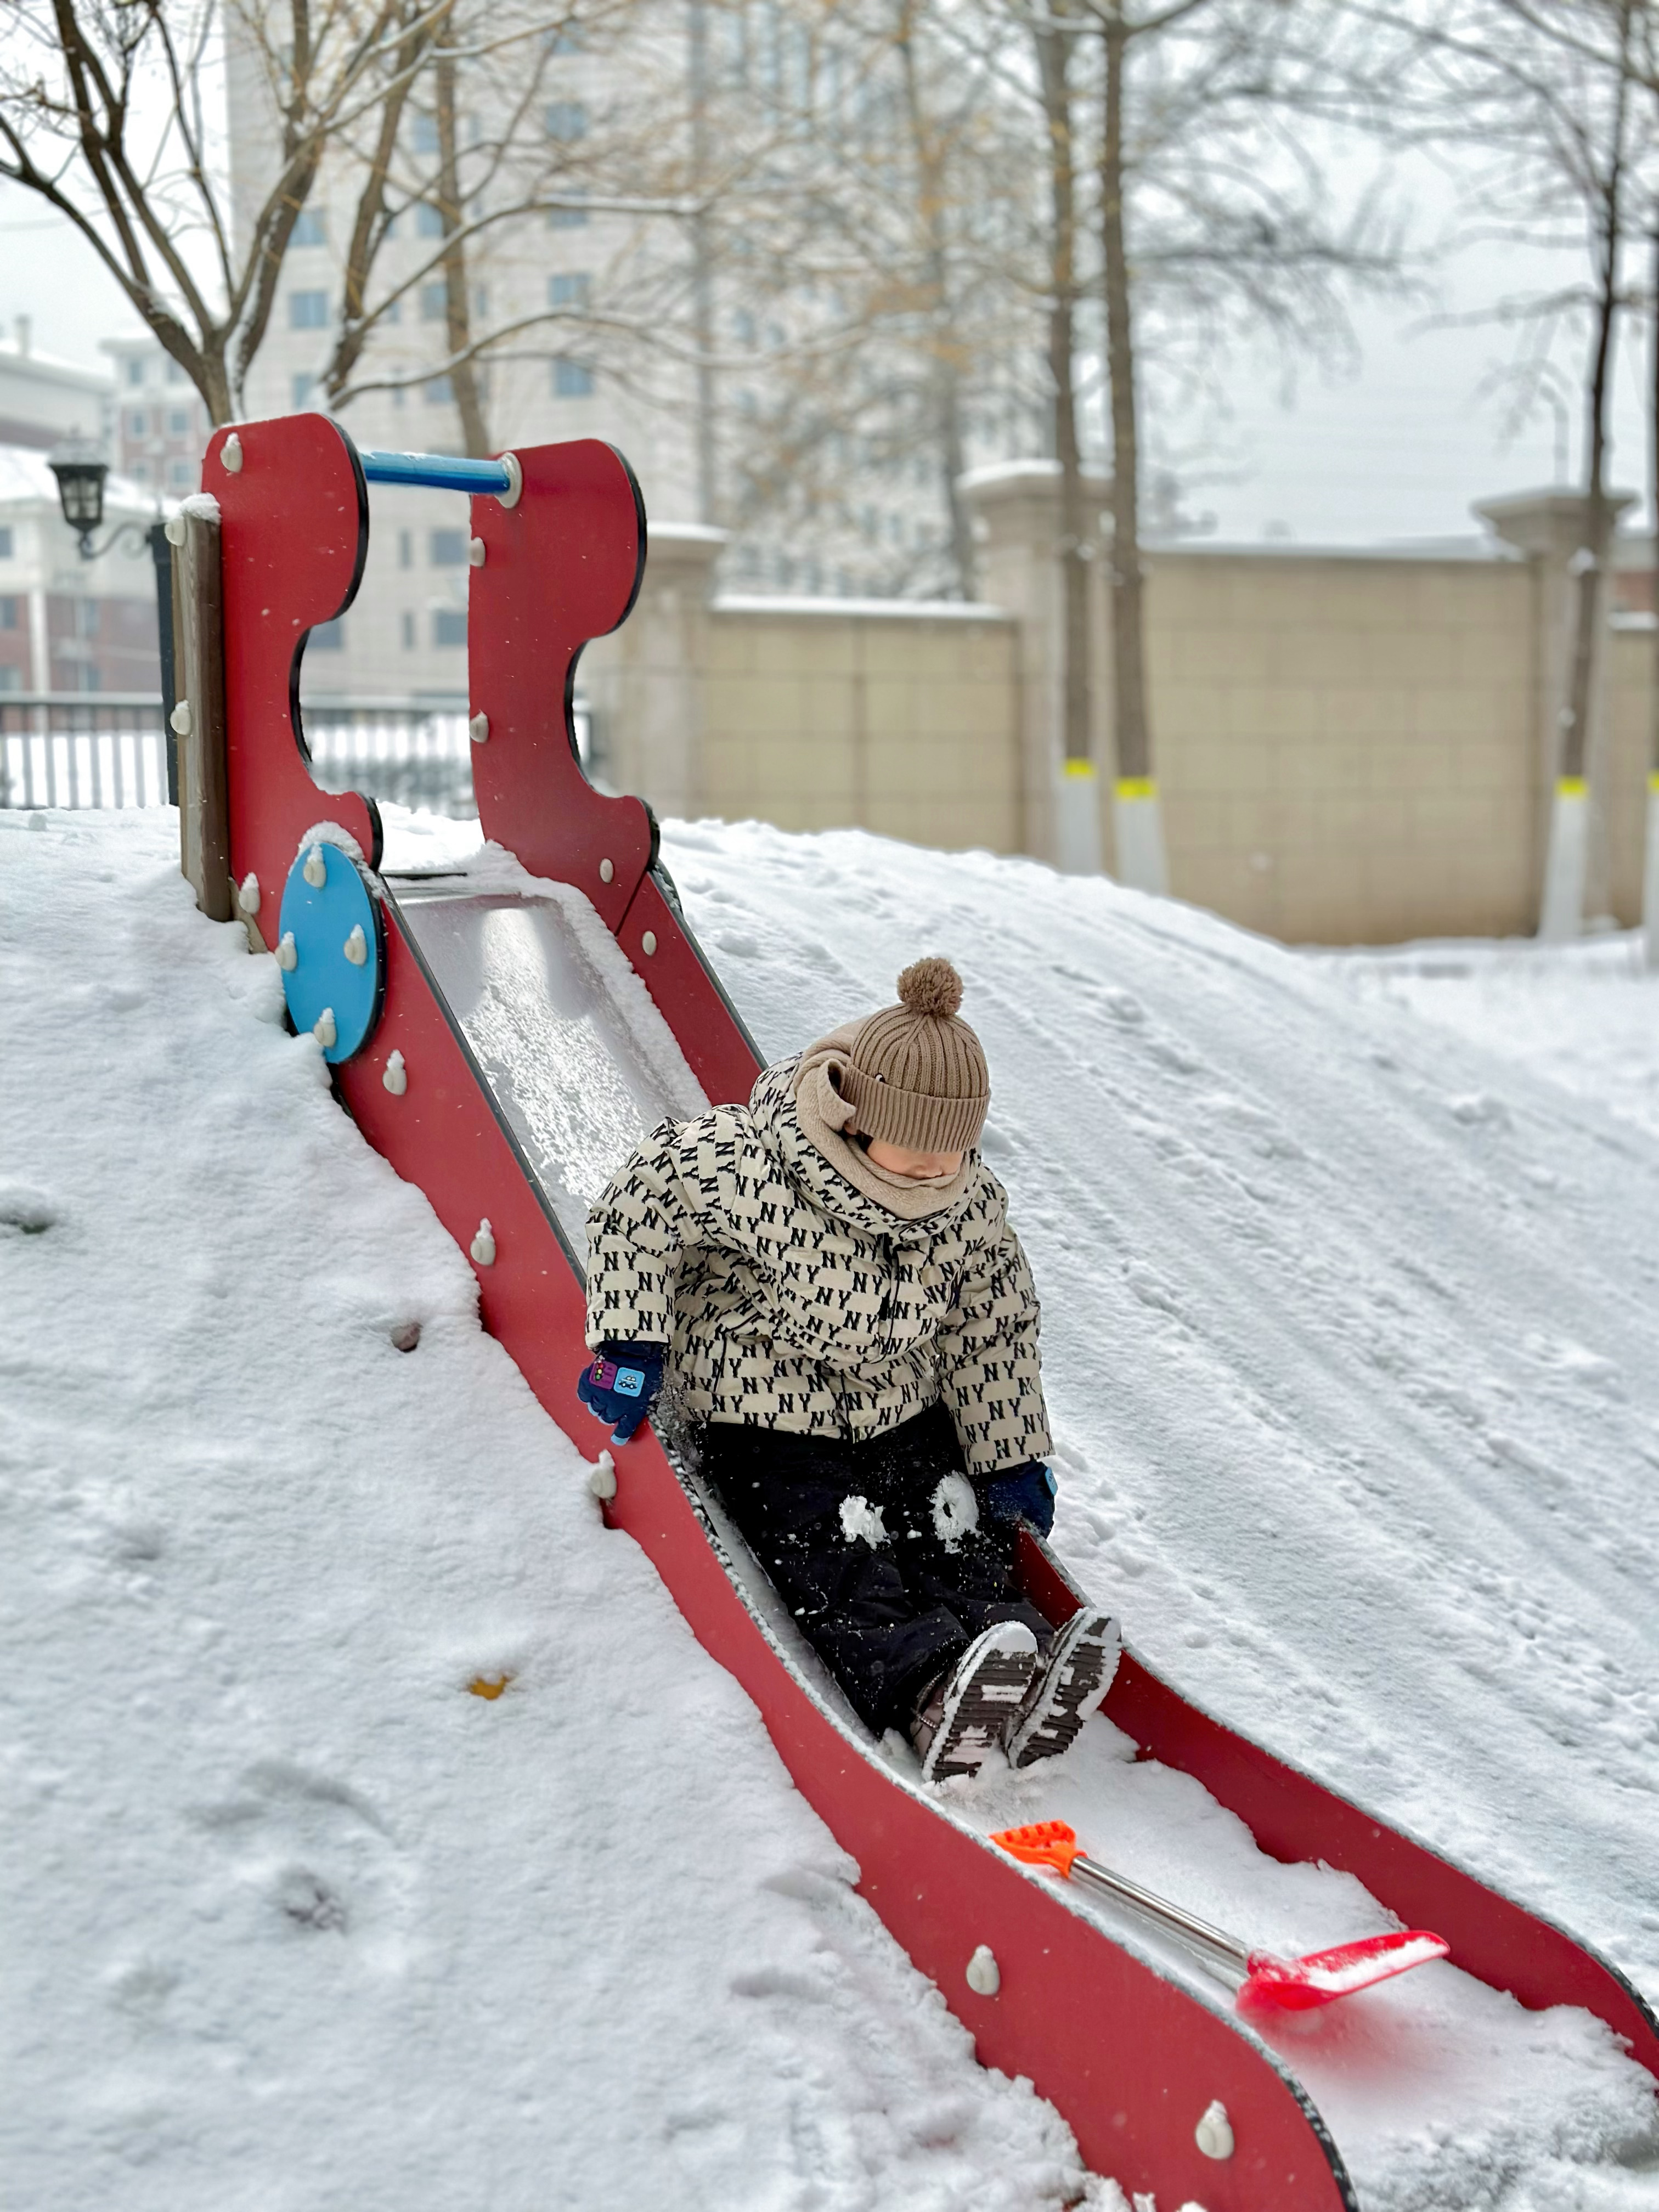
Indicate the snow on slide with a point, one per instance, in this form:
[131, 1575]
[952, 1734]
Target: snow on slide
[301, 1924]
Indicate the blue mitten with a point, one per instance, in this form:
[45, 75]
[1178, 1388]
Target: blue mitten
[1023, 1493]
[622, 1385]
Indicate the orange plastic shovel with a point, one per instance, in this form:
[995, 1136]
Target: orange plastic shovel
[1261, 1980]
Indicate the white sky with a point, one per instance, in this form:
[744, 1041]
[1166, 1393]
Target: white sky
[1400, 450]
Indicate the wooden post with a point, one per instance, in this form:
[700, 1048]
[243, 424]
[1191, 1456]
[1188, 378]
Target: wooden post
[198, 719]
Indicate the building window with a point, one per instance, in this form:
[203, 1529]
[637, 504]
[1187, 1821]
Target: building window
[425, 134]
[139, 472]
[11, 676]
[572, 379]
[408, 625]
[429, 221]
[179, 473]
[566, 121]
[308, 229]
[439, 390]
[405, 548]
[568, 39]
[446, 549]
[743, 327]
[328, 637]
[5, 546]
[8, 610]
[392, 312]
[303, 387]
[434, 302]
[570, 290]
[571, 214]
[172, 371]
[307, 310]
[135, 372]
[449, 626]
[179, 422]
[137, 423]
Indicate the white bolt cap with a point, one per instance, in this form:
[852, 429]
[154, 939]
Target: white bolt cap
[249, 894]
[357, 946]
[602, 1478]
[179, 719]
[173, 530]
[648, 943]
[607, 869]
[324, 1031]
[514, 491]
[1214, 2132]
[984, 1975]
[287, 953]
[483, 1246]
[230, 454]
[395, 1077]
[476, 551]
[478, 729]
[315, 870]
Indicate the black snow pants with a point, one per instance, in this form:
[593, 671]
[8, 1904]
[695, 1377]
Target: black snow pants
[860, 1547]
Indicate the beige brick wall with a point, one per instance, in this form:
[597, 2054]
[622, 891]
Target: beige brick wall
[1629, 742]
[1345, 745]
[1349, 748]
[902, 725]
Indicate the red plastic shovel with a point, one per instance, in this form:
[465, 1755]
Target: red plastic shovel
[1261, 1980]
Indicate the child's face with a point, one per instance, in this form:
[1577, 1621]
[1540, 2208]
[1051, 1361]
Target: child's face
[920, 1167]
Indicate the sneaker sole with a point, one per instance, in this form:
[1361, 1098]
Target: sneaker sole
[976, 1720]
[1073, 1684]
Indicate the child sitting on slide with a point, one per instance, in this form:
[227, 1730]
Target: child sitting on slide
[827, 1284]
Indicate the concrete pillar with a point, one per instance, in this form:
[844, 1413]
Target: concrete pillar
[647, 681]
[1016, 519]
[1570, 844]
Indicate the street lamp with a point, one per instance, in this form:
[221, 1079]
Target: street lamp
[80, 474]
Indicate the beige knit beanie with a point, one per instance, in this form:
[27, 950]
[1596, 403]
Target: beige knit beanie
[916, 1075]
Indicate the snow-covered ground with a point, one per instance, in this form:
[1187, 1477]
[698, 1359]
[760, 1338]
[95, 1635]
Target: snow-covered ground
[1348, 1333]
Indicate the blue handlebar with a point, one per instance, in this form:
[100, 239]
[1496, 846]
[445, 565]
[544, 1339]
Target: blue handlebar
[439, 470]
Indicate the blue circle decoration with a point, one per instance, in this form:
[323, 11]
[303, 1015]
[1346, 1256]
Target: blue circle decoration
[323, 925]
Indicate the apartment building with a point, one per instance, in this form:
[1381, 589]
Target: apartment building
[159, 421]
[597, 298]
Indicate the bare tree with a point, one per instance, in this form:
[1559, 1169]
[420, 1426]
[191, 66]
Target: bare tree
[1217, 227]
[1055, 50]
[102, 117]
[1539, 100]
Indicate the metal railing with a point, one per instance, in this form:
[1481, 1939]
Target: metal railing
[83, 748]
[109, 749]
[413, 752]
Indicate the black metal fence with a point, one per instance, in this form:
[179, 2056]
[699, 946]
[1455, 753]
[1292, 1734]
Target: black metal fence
[83, 748]
[416, 753]
[108, 749]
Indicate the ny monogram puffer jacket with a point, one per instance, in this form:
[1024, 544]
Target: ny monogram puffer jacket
[792, 1300]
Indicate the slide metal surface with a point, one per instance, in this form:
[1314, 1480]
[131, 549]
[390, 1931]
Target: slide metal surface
[502, 1009]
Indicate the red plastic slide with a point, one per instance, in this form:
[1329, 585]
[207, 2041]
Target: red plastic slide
[1133, 2059]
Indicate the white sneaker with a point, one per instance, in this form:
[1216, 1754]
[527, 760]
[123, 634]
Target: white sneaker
[968, 1713]
[1071, 1684]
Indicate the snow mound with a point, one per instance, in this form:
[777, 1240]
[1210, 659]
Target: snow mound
[1348, 1341]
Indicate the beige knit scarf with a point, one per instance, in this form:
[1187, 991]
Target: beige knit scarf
[825, 1117]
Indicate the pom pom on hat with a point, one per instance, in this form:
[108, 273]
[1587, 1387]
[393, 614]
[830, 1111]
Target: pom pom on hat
[914, 1074]
[931, 986]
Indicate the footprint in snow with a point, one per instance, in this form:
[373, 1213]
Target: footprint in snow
[1479, 1110]
[25, 1210]
[314, 1851]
